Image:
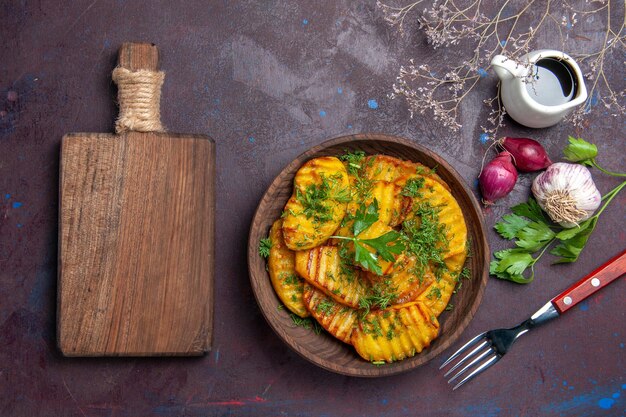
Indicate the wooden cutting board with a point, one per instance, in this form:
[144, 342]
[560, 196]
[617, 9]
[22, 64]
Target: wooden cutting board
[136, 239]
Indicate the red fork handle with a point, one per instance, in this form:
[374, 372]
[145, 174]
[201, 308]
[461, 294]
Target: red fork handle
[599, 278]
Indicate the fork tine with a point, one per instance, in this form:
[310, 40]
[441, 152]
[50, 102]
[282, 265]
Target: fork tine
[472, 363]
[466, 357]
[477, 371]
[463, 349]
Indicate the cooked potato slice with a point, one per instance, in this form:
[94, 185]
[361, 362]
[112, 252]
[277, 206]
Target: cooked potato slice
[318, 204]
[402, 279]
[337, 319]
[386, 168]
[391, 204]
[281, 264]
[398, 171]
[455, 263]
[395, 333]
[449, 214]
[323, 268]
[437, 295]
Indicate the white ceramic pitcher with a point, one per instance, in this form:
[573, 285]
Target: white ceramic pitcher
[523, 102]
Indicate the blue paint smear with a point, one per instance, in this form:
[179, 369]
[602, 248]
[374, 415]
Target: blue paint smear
[621, 345]
[606, 403]
[7, 196]
[339, 90]
[384, 401]
[502, 42]
[349, 126]
[305, 22]
[19, 225]
[592, 101]
[584, 306]
[483, 410]
[482, 72]
[483, 138]
[17, 204]
[585, 403]
[251, 139]
[41, 288]
[322, 113]
[372, 104]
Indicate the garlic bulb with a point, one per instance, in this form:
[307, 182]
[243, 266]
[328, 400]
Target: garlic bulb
[567, 193]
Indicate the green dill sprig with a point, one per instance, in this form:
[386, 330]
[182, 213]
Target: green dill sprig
[306, 323]
[264, 247]
[425, 237]
[353, 160]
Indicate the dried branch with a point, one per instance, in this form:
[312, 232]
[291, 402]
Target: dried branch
[481, 33]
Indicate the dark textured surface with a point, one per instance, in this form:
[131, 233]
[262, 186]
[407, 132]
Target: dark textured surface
[267, 81]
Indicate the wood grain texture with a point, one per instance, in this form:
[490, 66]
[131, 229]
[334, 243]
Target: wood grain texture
[136, 231]
[324, 350]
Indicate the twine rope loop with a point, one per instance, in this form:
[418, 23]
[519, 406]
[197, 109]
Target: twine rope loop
[139, 99]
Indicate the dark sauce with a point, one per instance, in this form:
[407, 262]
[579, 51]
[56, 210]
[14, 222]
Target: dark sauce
[553, 82]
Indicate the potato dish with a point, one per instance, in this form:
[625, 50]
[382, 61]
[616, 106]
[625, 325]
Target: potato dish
[371, 247]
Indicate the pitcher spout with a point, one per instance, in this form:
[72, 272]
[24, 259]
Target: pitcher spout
[506, 68]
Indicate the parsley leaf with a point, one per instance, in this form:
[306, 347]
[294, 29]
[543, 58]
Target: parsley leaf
[511, 264]
[264, 247]
[365, 217]
[581, 151]
[366, 259]
[569, 249]
[385, 246]
[510, 225]
[530, 210]
[534, 236]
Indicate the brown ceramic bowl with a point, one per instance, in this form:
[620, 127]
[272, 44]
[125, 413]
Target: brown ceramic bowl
[323, 349]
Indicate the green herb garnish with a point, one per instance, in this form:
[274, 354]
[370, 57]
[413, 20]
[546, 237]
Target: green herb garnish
[583, 152]
[315, 198]
[533, 234]
[264, 247]
[413, 187]
[426, 238]
[385, 246]
[353, 160]
[381, 296]
[306, 323]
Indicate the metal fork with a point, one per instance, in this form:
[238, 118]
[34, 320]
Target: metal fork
[487, 348]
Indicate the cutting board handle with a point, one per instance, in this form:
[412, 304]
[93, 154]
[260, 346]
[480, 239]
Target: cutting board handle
[136, 56]
[139, 88]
